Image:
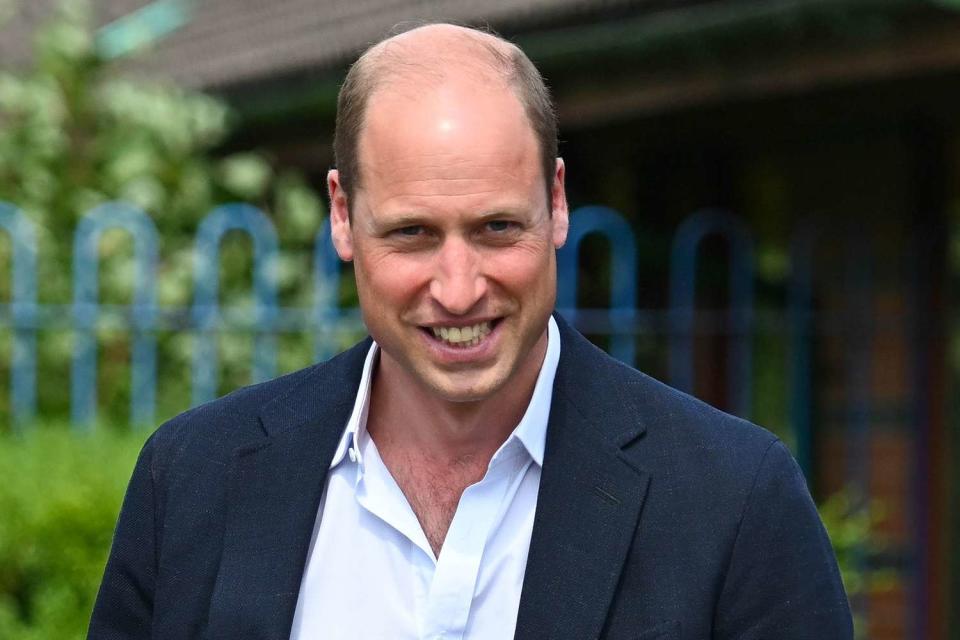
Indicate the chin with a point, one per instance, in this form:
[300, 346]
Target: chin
[459, 389]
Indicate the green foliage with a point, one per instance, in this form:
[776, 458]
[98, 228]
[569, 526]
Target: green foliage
[851, 525]
[75, 133]
[60, 496]
[852, 532]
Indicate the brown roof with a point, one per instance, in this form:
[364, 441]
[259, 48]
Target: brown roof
[237, 42]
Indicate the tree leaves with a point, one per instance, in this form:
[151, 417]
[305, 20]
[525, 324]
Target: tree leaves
[77, 131]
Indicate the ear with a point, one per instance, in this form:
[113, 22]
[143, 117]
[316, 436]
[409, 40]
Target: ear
[340, 229]
[558, 206]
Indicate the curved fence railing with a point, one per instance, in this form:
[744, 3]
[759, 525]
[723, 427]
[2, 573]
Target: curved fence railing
[620, 318]
[607, 223]
[326, 320]
[86, 309]
[22, 312]
[206, 305]
[683, 276]
[732, 325]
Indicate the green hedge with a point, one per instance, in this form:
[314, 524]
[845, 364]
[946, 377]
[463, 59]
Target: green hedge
[59, 498]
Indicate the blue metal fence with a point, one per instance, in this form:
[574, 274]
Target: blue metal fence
[206, 308]
[621, 319]
[683, 271]
[86, 309]
[623, 267]
[325, 319]
[23, 238]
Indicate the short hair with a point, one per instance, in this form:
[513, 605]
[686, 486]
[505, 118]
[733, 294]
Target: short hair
[518, 72]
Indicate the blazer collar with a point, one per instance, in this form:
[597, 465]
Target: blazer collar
[308, 402]
[590, 499]
[273, 497]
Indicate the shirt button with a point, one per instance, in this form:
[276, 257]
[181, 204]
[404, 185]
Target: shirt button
[352, 453]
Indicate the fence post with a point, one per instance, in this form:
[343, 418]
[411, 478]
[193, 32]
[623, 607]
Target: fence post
[683, 275]
[623, 271]
[206, 307]
[326, 290]
[86, 309]
[23, 383]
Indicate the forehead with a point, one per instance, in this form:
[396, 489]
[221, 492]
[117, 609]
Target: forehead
[457, 138]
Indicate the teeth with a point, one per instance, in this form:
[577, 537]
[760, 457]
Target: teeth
[462, 336]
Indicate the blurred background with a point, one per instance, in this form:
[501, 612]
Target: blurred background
[767, 215]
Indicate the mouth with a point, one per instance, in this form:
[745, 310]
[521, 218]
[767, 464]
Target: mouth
[462, 336]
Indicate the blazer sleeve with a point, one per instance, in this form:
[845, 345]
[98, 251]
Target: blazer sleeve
[124, 605]
[782, 580]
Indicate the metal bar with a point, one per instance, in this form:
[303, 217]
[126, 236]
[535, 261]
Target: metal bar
[292, 320]
[86, 308]
[326, 293]
[23, 384]
[611, 225]
[683, 272]
[206, 312]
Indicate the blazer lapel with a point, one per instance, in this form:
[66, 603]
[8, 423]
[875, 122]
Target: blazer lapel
[273, 499]
[588, 506]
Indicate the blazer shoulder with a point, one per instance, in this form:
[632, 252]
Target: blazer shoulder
[680, 434]
[698, 423]
[214, 429]
[606, 385]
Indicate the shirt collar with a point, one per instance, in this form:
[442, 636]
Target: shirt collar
[531, 431]
[357, 424]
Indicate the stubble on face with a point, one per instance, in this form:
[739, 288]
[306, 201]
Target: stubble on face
[451, 228]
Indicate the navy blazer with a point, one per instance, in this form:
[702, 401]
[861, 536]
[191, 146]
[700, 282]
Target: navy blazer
[658, 517]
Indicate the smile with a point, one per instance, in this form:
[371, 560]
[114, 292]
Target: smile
[468, 336]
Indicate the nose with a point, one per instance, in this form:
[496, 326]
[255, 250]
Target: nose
[458, 283]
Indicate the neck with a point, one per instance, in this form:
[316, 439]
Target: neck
[404, 414]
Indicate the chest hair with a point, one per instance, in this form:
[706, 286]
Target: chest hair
[433, 490]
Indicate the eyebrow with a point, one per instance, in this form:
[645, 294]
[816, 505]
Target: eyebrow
[397, 222]
[414, 219]
[510, 212]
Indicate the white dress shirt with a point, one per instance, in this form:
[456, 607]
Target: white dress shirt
[371, 573]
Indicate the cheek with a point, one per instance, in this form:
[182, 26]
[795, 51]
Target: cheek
[390, 278]
[526, 269]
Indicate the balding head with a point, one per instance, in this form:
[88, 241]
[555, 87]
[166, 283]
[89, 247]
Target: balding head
[430, 56]
[433, 52]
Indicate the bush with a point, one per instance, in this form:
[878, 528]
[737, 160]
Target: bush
[59, 499]
[852, 523]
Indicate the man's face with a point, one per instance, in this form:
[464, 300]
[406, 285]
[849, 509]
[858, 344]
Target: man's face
[452, 237]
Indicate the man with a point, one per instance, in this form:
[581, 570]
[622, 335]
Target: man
[479, 470]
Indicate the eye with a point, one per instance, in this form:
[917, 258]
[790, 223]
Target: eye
[499, 226]
[411, 231]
